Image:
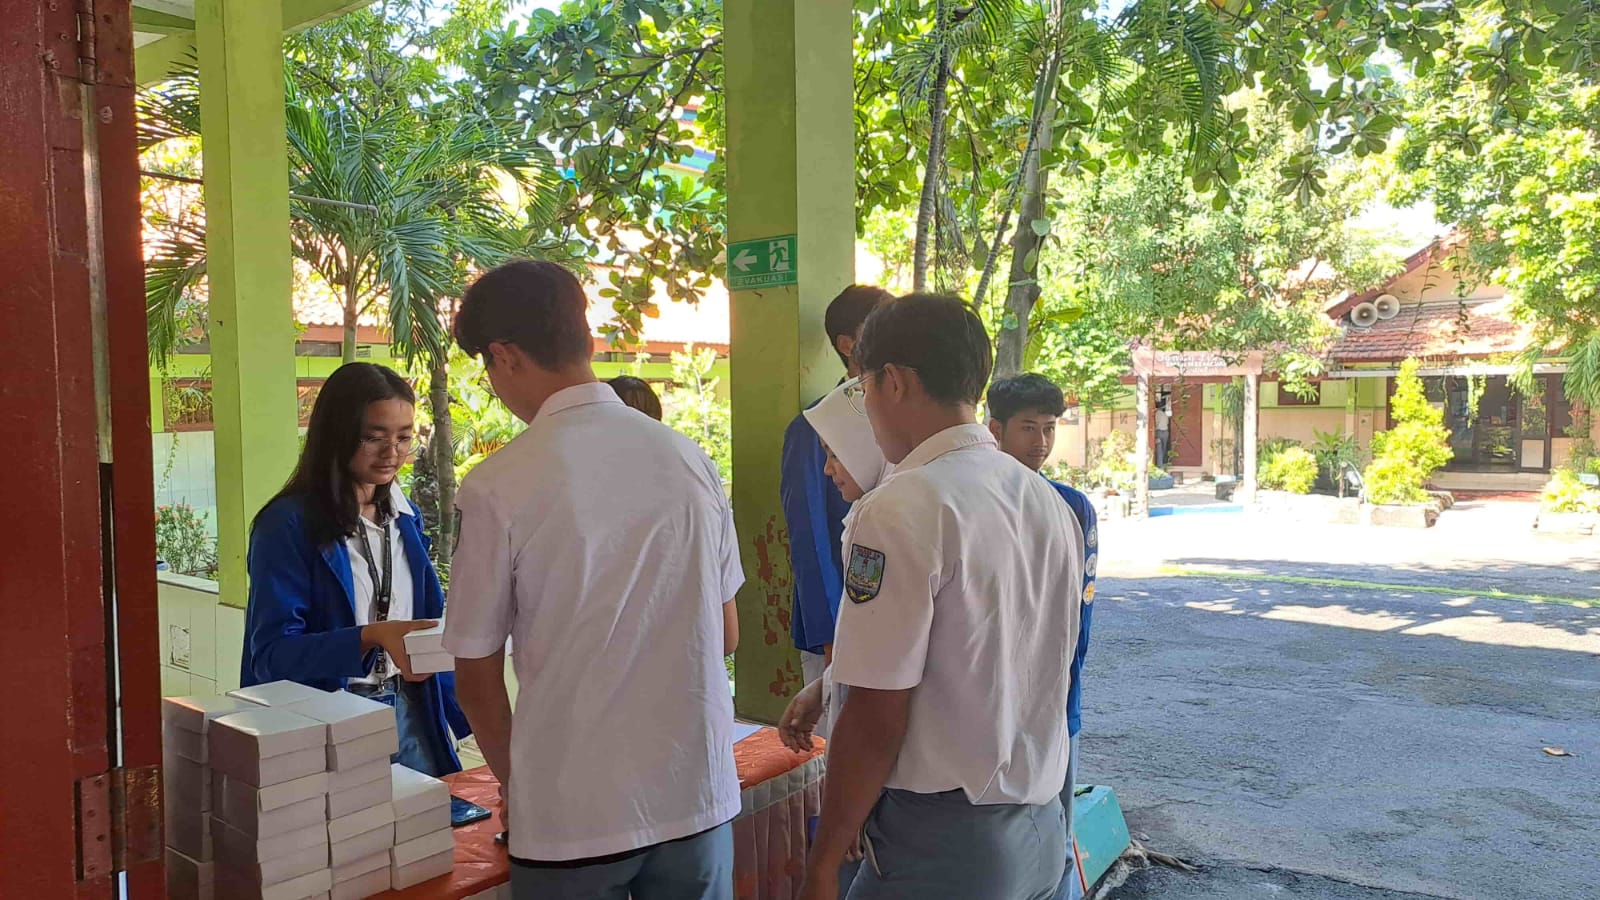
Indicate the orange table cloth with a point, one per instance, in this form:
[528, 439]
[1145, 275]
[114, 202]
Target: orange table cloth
[780, 790]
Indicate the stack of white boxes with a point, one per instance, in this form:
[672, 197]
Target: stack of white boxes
[360, 819]
[189, 801]
[424, 847]
[269, 795]
[426, 650]
[285, 792]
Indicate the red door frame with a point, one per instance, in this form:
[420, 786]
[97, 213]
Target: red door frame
[68, 513]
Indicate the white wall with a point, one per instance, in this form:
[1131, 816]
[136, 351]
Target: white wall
[192, 475]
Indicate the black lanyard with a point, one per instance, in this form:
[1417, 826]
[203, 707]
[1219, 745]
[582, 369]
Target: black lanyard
[382, 588]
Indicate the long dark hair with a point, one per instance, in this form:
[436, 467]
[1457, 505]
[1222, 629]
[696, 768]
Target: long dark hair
[322, 477]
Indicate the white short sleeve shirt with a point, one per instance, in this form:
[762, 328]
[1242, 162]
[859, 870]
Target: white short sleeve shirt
[603, 542]
[963, 581]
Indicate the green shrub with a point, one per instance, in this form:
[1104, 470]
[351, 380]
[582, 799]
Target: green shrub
[1268, 450]
[1293, 470]
[1112, 468]
[182, 541]
[1407, 455]
[1564, 493]
[1391, 480]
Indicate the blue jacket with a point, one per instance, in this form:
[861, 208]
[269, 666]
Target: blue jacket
[301, 621]
[1084, 510]
[814, 511]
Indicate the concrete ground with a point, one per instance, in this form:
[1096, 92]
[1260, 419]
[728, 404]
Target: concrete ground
[1265, 715]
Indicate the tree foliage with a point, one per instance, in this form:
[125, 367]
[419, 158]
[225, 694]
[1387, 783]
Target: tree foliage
[1153, 259]
[608, 85]
[1503, 135]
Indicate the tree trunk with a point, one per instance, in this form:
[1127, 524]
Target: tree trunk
[352, 311]
[1252, 405]
[930, 177]
[1141, 446]
[443, 449]
[1026, 246]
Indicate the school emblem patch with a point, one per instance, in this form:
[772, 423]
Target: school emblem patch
[1088, 594]
[1091, 565]
[863, 577]
[1092, 539]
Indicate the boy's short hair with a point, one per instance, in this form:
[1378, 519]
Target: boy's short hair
[1020, 393]
[536, 305]
[939, 336]
[849, 310]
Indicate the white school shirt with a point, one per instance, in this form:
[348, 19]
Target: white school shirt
[602, 540]
[361, 578]
[963, 581]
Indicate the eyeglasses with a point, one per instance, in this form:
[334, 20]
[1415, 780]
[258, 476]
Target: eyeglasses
[376, 445]
[855, 390]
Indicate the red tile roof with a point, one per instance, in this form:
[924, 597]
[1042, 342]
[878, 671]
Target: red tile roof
[1465, 329]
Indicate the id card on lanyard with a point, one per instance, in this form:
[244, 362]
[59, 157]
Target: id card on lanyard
[382, 587]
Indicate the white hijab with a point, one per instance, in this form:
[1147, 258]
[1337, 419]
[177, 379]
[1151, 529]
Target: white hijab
[849, 435]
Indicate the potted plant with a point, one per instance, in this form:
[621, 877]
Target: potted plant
[1160, 479]
[1568, 505]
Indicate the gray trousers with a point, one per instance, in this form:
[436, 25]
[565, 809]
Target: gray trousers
[699, 867]
[1070, 888]
[939, 845]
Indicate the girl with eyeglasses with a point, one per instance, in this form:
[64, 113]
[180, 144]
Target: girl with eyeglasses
[339, 568]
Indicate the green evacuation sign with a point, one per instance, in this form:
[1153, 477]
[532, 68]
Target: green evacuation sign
[765, 262]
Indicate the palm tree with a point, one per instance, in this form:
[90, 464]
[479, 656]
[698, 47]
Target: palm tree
[395, 208]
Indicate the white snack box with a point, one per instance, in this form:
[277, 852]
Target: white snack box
[362, 796]
[240, 800]
[432, 663]
[276, 693]
[193, 714]
[413, 874]
[426, 640]
[189, 833]
[377, 770]
[262, 734]
[365, 885]
[315, 884]
[183, 743]
[362, 866]
[346, 827]
[424, 847]
[187, 784]
[362, 750]
[347, 715]
[188, 878]
[422, 824]
[274, 871]
[361, 846]
[307, 813]
[416, 793]
[274, 769]
[240, 848]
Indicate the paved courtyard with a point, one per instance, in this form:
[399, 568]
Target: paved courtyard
[1265, 715]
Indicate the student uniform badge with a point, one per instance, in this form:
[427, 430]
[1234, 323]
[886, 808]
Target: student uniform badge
[863, 577]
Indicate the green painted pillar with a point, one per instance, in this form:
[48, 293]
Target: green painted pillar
[247, 265]
[791, 171]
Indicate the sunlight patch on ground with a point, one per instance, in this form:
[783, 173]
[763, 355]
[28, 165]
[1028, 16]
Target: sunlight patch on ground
[1338, 616]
